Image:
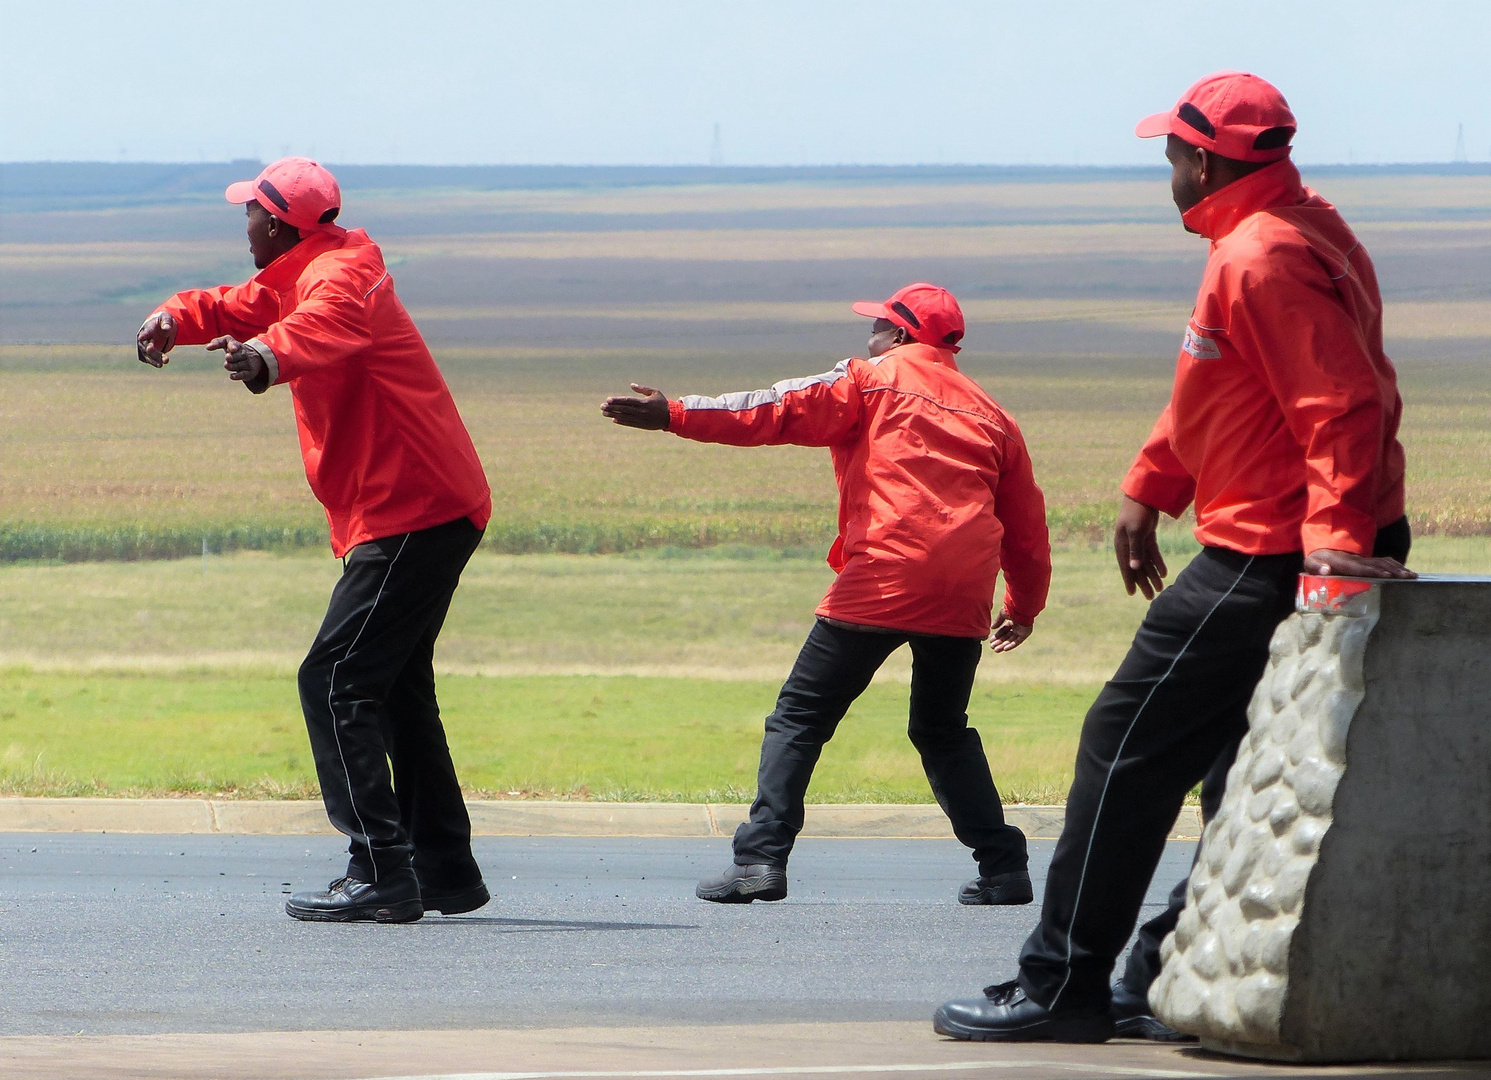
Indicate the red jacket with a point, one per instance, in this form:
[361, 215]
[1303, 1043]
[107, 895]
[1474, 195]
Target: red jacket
[936, 490]
[1283, 424]
[384, 447]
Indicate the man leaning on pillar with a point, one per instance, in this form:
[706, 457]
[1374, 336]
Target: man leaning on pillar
[1282, 432]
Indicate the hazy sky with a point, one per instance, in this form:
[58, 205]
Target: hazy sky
[800, 82]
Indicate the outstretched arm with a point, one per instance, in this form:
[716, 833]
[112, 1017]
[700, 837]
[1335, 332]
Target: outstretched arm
[820, 410]
[197, 316]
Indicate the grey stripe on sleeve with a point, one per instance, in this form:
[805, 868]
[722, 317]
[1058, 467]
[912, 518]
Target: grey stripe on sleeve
[754, 399]
[270, 360]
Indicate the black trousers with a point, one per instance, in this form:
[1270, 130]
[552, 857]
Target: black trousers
[1178, 699]
[834, 667]
[1144, 958]
[368, 692]
[1143, 967]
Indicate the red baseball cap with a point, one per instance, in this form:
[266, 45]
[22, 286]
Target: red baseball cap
[1231, 113]
[928, 313]
[295, 190]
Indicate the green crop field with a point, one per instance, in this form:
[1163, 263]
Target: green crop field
[659, 585]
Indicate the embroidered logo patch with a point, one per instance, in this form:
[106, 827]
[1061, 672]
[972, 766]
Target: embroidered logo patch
[1202, 348]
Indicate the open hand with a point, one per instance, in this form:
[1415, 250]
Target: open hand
[1007, 634]
[649, 412]
[242, 362]
[157, 337]
[1139, 560]
[1326, 562]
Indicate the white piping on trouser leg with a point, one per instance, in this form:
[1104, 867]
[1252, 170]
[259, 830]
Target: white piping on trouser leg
[331, 707]
[1097, 816]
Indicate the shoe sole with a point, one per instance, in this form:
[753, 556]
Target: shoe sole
[1149, 1028]
[765, 887]
[406, 911]
[1095, 1029]
[1000, 896]
[457, 903]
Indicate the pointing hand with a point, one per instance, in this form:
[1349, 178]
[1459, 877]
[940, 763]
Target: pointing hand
[242, 362]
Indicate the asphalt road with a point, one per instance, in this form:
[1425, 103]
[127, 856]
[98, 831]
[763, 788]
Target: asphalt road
[143, 934]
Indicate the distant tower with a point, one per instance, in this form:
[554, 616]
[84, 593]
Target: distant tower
[1460, 143]
[717, 148]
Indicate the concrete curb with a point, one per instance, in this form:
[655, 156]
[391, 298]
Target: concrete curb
[514, 818]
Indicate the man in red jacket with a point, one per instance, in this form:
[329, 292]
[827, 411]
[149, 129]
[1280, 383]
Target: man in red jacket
[936, 495]
[387, 455]
[1282, 432]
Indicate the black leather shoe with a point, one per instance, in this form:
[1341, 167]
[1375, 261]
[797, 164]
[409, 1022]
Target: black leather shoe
[455, 901]
[394, 900]
[1132, 1019]
[1005, 1014]
[742, 884]
[1011, 888]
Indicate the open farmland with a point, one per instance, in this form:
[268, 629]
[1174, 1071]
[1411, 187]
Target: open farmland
[540, 301]
[99, 461]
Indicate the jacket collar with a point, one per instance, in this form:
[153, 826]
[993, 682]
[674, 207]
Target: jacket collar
[286, 270]
[1219, 213]
[915, 350]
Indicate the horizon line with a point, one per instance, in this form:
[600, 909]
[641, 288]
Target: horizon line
[722, 167]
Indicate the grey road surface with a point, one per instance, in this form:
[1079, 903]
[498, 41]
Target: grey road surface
[107, 934]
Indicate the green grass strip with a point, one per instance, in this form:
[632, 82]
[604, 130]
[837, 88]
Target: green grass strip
[621, 738]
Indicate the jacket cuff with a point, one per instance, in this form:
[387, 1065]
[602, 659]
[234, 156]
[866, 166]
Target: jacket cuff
[1315, 537]
[271, 365]
[675, 415]
[1162, 492]
[1024, 618]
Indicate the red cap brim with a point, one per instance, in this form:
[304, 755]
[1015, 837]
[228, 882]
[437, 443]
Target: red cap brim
[1153, 126]
[871, 310]
[242, 192]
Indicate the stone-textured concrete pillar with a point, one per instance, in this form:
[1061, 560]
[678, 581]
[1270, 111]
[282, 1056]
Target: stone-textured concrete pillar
[1341, 906]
